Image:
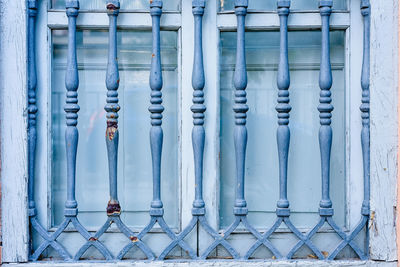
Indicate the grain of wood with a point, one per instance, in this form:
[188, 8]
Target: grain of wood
[384, 123]
[13, 130]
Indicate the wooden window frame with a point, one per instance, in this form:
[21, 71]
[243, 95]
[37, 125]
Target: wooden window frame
[384, 121]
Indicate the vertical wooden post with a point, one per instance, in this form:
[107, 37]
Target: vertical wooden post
[198, 108]
[112, 108]
[71, 108]
[365, 76]
[283, 108]
[156, 109]
[383, 129]
[14, 154]
[325, 108]
[240, 108]
[32, 108]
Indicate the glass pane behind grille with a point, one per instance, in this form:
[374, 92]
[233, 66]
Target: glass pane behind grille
[172, 5]
[134, 170]
[262, 182]
[226, 5]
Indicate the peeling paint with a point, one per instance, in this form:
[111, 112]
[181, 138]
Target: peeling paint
[112, 128]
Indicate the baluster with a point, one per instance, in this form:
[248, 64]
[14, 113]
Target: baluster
[112, 138]
[156, 138]
[240, 108]
[325, 108]
[240, 140]
[112, 107]
[49, 239]
[32, 108]
[71, 138]
[283, 108]
[198, 108]
[198, 138]
[365, 141]
[156, 108]
[71, 108]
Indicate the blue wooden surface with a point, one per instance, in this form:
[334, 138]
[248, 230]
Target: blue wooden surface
[112, 108]
[283, 107]
[156, 109]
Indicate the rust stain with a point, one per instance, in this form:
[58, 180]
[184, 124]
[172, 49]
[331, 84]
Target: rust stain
[273, 257]
[134, 239]
[311, 256]
[111, 6]
[111, 133]
[325, 253]
[112, 128]
[92, 239]
[152, 55]
[113, 209]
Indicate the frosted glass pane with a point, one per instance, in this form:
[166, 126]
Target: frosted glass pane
[304, 182]
[271, 4]
[125, 4]
[134, 159]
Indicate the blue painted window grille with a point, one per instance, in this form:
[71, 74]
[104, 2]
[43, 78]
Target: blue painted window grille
[137, 239]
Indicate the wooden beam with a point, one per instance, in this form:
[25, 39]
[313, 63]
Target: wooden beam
[13, 87]
[384, 125]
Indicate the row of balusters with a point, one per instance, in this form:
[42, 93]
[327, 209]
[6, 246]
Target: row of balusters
[198, 108]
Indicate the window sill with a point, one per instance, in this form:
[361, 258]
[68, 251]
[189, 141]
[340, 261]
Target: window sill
[221, 263]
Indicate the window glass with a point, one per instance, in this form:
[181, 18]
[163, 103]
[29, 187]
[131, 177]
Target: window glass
[304, 175]
[125, 4]
[134, 159]
[271, 4]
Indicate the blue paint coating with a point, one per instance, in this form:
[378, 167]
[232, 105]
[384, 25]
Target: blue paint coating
[240, 140]
[365, 77]
[198, 137]
[198, 108]
[240, 107]
[156, 108]
[71, 137]
[325, 107]
[325, 137]
[32, 111]
[156, 139]
[71, 107]
[112, 107]
[283, 107]
[32, 107]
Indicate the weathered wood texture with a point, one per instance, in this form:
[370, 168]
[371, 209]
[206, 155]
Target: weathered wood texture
[13, 56]
[384, 123]
[398, 148]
